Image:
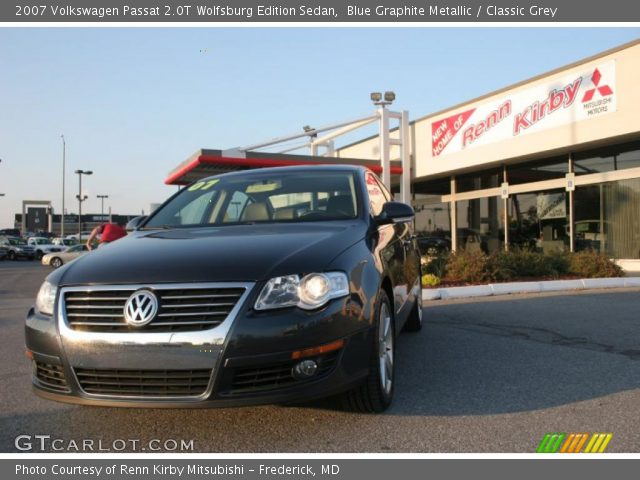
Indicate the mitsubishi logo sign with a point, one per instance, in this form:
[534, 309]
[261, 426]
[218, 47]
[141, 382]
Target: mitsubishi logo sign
[603, 90]
[140, 308]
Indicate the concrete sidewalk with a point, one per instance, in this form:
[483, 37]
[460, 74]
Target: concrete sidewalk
[528, 287]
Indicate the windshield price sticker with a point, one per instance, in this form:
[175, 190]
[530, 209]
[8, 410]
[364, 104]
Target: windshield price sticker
[203, 185]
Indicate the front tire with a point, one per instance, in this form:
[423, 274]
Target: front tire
[414, 322]
[56, 262]
[375, 395]
[39, 255]
[11, 255]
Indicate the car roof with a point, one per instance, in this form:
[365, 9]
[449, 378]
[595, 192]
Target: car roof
[293, 168]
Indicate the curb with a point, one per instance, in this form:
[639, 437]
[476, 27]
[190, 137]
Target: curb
[494, 289]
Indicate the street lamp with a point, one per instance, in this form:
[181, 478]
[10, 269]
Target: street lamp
[81, 199]
[64, 155]
[102, 197]
[389, 97]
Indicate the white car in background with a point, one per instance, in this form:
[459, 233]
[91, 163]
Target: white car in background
[43, 246]
[64, 242]
[58, 259]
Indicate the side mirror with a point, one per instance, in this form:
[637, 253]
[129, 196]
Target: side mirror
[134, 223]
[395, 212]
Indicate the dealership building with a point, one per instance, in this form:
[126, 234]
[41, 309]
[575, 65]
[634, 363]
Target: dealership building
[552, 163]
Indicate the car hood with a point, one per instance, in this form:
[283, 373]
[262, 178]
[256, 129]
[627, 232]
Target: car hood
[224, 254]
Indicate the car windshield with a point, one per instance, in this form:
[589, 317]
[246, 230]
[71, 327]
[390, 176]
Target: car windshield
[15, 241]
[288, 196]
[41, 241]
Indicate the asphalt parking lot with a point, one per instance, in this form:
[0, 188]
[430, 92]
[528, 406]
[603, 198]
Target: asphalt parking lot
[490, 375]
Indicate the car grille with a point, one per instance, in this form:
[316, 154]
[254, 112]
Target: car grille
[269, 377]
[51, 376]
[144, 383]
[184, 309]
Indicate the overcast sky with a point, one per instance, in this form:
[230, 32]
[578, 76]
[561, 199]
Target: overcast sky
[133, 103]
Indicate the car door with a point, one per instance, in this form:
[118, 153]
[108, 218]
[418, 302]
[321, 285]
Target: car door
[392, 254]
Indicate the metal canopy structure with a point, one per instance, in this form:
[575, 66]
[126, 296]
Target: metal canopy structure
[209, 162]
[206, 162]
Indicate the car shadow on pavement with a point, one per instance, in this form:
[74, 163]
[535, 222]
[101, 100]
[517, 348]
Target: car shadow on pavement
[511, 355]
[507, 355]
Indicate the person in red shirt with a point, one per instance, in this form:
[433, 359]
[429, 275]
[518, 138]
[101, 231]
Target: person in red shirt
[109, 232]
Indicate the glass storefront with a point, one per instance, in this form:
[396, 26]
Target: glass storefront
[607, 218]
[539, 221]
[432, 224]
[538, 171]
[619, 157]
[606, 215]
[480, 224]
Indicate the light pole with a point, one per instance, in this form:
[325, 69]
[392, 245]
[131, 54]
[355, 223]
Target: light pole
[64, 162]
[81, 199]
[102, 197]
[383, 133]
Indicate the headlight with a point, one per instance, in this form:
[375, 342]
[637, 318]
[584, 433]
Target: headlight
[46, 298]
[310, 292]
[18, 249]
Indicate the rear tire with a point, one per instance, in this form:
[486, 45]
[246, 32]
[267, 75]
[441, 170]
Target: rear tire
[375, 395]
[56, 262]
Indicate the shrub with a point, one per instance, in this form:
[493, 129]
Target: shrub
[429, 280]
[436, 265]
[468, 266]
[591, 264]
[558, 263]
[526, 263]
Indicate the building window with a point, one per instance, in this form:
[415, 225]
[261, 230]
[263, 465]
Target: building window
[538, 171]
[441, 186]
[479, 181]
[618, 157]
[480, 224]
[607, 218]
[539, 221]
[432, 224]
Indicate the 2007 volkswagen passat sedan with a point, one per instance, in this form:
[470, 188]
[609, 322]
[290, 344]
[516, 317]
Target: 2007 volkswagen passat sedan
[265, 286]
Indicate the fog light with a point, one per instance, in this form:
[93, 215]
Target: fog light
[304, 369]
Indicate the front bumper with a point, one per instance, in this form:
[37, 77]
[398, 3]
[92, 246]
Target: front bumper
[249, 359]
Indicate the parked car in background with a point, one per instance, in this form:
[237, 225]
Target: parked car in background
[43, 246]
[56, 260]
[3, 252]
[17, 248]
[64, 242]
[9, 232]
[83, 236]
[432, 245]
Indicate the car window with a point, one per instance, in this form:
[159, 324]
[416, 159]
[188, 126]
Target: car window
[237, 204]
[253, 197]
[193, 212]
[377, 195]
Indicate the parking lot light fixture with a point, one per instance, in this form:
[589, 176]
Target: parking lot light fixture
[64, 163]
[102, 197]
[81, 199]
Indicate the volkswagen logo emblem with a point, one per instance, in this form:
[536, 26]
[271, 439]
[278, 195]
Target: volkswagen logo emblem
[140, 308]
